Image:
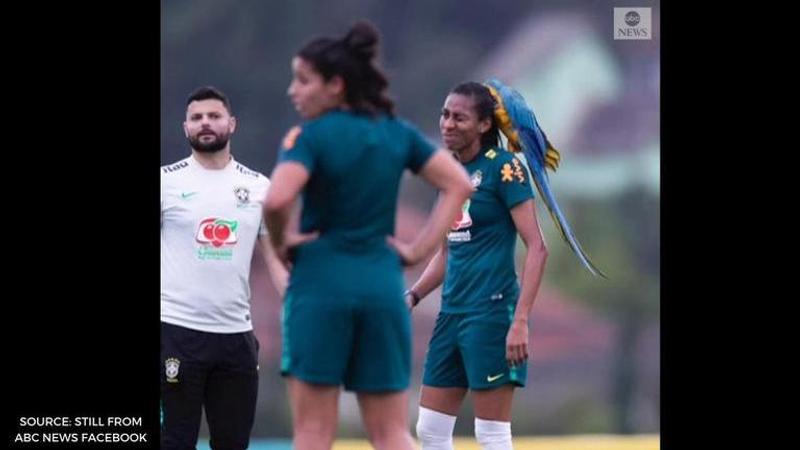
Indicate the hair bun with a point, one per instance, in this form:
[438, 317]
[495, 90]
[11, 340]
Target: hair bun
[362, 40]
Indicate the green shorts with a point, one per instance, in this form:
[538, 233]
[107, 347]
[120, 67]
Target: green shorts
[345, 322]
[469, 350]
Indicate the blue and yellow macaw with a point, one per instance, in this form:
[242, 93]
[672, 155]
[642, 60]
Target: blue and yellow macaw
[517, 122]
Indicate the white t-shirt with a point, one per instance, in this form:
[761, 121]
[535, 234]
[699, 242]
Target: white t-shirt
[210, 220]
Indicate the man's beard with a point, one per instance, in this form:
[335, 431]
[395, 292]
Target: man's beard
[214, 146]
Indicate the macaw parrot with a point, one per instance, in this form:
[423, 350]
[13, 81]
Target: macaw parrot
[518, 123]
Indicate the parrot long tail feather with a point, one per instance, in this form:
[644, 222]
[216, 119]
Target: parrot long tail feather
[541, 181]
[563, 227]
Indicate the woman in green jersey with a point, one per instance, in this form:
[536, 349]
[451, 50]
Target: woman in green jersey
[345, 322]
[480, 341]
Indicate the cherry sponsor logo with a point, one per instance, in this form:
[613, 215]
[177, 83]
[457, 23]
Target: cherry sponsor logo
[217, 232]
[463, 219]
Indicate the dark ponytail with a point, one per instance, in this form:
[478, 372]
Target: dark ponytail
[352, 58]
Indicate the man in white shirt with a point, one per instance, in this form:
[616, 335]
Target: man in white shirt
[211, 219]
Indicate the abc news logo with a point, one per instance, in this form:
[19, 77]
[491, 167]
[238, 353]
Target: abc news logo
[632, 23]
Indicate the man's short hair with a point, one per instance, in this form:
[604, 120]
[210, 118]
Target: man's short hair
[209, 92]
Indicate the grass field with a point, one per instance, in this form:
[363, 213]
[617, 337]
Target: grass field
[581, 442]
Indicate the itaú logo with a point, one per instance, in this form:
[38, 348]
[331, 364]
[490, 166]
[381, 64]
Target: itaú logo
[217, 232]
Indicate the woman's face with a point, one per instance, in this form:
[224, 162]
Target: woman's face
[459, 124]
[311, 95]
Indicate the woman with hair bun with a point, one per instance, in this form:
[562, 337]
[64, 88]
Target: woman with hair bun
[345, 321]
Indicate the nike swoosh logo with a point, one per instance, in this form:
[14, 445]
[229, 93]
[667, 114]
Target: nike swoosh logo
[185, 195]
[493, 378]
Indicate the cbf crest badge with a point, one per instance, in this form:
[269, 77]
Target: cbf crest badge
[476, 178]
[242, 196]
[172, 365]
